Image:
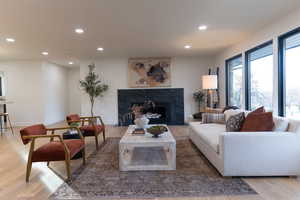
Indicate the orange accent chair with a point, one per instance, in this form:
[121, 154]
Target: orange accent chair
[59, 150]
[91, 129]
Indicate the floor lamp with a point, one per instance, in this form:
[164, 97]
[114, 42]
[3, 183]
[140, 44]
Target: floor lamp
[209, 83]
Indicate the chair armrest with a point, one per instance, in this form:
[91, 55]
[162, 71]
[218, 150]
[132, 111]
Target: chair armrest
[42, 136]
[34, 137]
[66, 128]
[94, 117]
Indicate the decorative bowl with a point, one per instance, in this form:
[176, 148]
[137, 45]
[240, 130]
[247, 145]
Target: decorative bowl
[157, 130]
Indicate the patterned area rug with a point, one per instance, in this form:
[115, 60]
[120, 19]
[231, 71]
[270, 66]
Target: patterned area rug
[100, 178]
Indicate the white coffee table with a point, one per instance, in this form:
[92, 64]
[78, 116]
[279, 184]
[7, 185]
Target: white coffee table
[143, 152]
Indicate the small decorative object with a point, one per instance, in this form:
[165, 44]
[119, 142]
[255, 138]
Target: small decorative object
[138, 131]
[141, 113]
[157, 130]
[141, 122]
[92, 86]
[200, 97]
[149, 72]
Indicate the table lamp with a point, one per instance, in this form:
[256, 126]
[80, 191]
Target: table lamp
[209, 83]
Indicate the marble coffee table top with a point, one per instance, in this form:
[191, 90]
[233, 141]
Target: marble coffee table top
[147, 138]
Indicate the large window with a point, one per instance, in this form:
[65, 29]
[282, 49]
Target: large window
[259, 77]
[234, 71]
[289, 76]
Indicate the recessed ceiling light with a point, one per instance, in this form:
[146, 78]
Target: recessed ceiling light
[45, 53]
[10, 40]
[71, 63]
[100, 49]
[79, 30]
[187, 46]
[202, 28]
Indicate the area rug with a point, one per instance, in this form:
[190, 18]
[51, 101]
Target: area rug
[100, 178]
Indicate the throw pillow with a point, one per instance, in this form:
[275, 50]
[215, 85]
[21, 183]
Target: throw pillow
[256, 122]
[218, 118]
[235, 122]
[231, 112]
[280, 124]
[258, 110]
[229, 108]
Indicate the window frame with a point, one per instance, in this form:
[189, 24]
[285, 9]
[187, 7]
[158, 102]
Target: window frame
[227, 71]
[282, 71]
[248, 72]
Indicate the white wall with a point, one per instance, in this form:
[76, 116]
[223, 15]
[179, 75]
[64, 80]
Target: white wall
[270, 32]
[38, 91]
[186, 73]
[74, 92]
[23, 85]
[55, 90]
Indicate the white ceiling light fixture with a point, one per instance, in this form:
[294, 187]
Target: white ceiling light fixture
[100, 49]
[71, 63]
[11, 40]
[79, 30]
[187, 46]
[202, 27]
[45, 53]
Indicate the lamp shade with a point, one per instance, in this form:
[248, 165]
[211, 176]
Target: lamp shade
[210, 82]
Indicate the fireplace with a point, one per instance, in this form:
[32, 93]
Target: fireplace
[169, 105]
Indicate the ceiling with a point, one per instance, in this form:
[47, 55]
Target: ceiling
[130, 28]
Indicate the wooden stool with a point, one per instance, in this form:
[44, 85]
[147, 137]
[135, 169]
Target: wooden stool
[6, 115]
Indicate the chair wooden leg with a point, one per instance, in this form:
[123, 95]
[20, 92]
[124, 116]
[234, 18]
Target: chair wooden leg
[97, 143]
[83, 156]
[68, 168]
[1, 125]
[11, 128]
[29, 161]
[104, 135]
[48, 163]
[28, 170]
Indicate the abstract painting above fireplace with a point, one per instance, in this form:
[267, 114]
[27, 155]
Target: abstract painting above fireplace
[169, 104]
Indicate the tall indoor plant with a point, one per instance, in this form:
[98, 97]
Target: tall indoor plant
[93, 86]
[200, 98]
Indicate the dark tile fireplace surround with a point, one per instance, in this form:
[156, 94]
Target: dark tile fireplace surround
[169, 104]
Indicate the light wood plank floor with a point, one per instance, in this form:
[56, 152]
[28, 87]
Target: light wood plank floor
[43, 181]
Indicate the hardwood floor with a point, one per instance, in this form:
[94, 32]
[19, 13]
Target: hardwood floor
[44, 181]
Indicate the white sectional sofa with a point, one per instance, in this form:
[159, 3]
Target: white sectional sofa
[275, 153]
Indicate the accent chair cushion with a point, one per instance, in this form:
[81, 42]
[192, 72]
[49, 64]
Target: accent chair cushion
[72, 117]
[90, 130]
[235, 122]
[38, 129]
[256, 122]
[54, 151]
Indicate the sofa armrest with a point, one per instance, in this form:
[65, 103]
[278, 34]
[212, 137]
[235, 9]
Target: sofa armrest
[245, 152]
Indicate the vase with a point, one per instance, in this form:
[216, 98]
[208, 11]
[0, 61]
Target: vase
[141, 122]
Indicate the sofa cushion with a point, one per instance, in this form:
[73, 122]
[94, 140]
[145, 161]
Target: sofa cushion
[235, 122]
[209, 133]
[280, 124]
[218, 118]
[256, 122]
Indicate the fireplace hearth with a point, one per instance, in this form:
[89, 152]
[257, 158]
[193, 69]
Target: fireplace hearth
[169, 105]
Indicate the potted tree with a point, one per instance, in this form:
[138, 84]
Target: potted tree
[93, 86]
